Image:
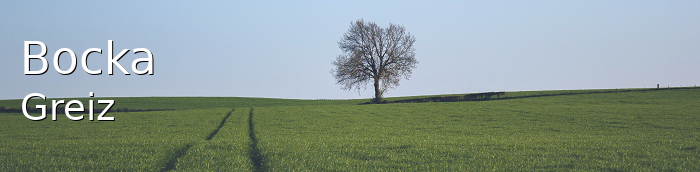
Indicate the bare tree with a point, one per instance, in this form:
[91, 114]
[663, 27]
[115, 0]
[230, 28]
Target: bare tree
[375, 54]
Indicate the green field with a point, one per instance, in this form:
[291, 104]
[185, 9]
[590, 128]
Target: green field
[564, 130]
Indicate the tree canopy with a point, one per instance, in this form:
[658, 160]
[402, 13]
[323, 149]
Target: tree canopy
[374, 54]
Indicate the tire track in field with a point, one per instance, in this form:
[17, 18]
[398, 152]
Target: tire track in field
[171, 163]
[254, 152]
[213, 133]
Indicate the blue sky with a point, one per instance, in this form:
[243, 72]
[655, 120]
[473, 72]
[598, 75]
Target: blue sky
[285, 49]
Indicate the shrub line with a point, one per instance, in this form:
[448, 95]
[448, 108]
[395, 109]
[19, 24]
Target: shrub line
[487, 96]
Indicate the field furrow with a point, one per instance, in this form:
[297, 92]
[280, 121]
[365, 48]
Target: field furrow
[227, 151]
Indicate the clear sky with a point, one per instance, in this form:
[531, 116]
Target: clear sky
[285, 49]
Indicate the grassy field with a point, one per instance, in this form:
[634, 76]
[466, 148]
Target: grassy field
[137, 141]
[652, 130]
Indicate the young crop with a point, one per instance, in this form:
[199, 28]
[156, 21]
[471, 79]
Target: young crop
[568, 130]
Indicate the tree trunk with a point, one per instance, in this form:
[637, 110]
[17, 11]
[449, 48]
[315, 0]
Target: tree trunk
[377, 97]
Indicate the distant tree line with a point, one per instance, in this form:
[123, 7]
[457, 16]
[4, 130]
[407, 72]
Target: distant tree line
[514, 95]
[63, 109]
